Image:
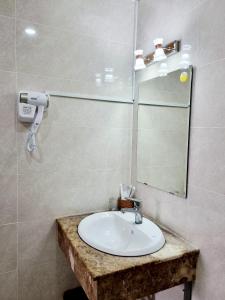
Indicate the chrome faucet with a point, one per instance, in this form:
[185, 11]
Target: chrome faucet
[136, 210]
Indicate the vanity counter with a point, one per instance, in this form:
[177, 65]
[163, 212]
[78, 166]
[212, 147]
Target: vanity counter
[107, 277]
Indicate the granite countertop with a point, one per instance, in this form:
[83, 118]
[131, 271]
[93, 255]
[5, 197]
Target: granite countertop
[176, 260]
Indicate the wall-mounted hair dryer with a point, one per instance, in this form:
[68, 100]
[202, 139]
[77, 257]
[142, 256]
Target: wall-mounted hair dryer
[31, 107]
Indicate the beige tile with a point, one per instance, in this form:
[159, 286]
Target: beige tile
[208, 104]
[67, 63]
[209, 273]
[7, 151]
[207, 158]
[165, 208]
[210, 32]
[32, 82]
[119, 148]
[87, 18]
[82, 147]
[44, 276]
[8, 199]
[7, 8]
[8, 286]
[37, 241]
[87, 113]
[205, 228]
[205, 216]
[51, 280]
[7, 43]
[119, 90]
[35, 56]
[7, 123]
[8, 248]
[7, 100]
[55, 194]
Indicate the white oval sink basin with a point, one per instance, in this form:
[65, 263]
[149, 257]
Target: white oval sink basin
[116, 233]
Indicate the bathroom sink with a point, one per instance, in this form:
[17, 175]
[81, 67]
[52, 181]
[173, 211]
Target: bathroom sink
[116, 233]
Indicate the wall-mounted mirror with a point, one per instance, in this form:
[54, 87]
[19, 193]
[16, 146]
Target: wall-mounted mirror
[163, 132]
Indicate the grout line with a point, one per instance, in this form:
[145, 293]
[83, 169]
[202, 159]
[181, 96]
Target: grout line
[8, 17]
[8, 224]
[17, 159]
[8, 272]
[7, 71]
[207, 127]
[133, 132]
[210, 63]
[135, 27]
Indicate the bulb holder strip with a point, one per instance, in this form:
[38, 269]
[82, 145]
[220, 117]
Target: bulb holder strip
[169, 49]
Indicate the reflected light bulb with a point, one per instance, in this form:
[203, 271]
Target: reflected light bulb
[139, 63]
[159, 54]
[163, 70]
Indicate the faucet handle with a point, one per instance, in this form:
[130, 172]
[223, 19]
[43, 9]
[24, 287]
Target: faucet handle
[137, 202]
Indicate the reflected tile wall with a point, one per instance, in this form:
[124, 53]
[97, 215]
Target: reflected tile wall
[93, 36]
[200, 217]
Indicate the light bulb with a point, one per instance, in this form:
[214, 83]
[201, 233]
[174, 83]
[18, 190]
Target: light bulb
[139, 63]
[159, 54]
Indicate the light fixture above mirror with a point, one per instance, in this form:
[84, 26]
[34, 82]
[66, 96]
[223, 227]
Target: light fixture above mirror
[160, 54]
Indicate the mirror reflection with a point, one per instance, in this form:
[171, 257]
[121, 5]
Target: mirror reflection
[163, 132]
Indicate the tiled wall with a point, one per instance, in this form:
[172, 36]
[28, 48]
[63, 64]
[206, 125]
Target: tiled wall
[84, 145]
[200, 217]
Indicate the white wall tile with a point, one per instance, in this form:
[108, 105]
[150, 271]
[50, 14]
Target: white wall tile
[37, 241]
[7, 8]
[8, 198]
[8, 248]
[74, 63]
[93, 18]
[51, 280]
[210, 32]
[8, 286]
[207, 158]
[208, 96]
[7, 43]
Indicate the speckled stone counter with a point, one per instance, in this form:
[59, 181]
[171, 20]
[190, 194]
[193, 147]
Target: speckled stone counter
[107, 277]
